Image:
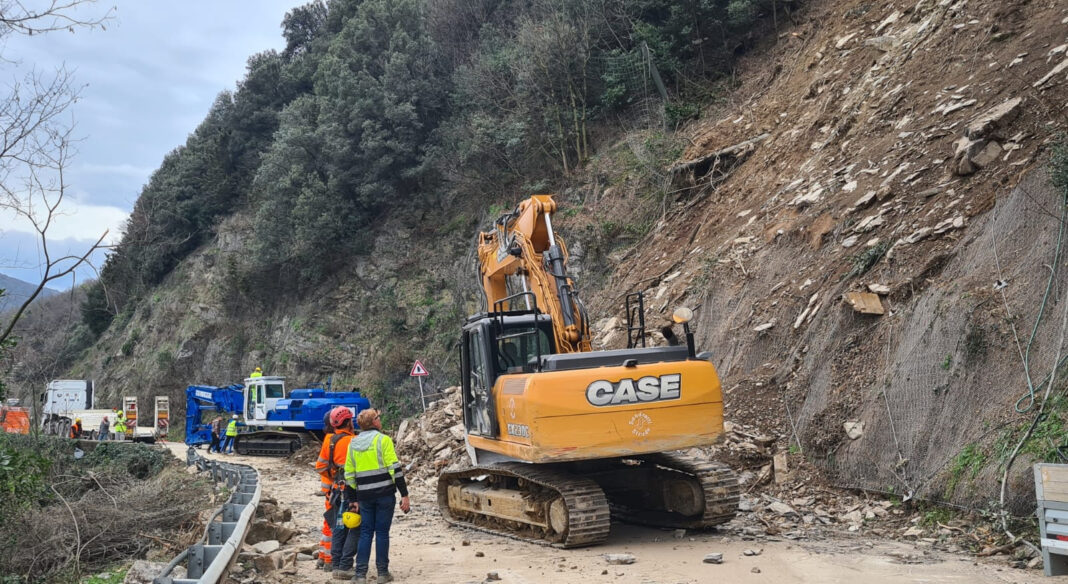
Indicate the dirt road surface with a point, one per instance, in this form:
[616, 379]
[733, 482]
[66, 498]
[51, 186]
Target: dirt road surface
[426, 550]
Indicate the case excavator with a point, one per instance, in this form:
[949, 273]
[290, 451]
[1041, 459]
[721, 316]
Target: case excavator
[563, 438]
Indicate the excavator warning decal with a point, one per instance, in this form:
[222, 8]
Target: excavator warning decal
[629, 391]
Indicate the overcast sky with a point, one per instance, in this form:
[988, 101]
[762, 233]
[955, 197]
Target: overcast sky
[147, 81]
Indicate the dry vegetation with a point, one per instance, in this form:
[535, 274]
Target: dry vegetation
[64, 517]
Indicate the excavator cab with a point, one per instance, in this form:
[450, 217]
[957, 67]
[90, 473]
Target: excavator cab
[493, 345]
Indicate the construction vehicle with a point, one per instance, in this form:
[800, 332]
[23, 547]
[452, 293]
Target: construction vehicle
[563, 438]
[65, 400]
[270, 423]
[13, 418]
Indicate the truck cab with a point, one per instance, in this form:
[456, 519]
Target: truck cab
[63, 396]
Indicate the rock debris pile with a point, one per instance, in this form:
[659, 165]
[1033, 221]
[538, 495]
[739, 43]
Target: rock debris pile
[270, 553]
[784, 497]
[434, 441]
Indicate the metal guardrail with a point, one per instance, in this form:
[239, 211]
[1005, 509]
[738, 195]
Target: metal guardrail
[207, 561]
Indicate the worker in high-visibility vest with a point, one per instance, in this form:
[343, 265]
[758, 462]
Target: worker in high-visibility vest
[331, 465]
[231, 434]
[373, 475]
[326, 537]
[250, 411]
[120, 424]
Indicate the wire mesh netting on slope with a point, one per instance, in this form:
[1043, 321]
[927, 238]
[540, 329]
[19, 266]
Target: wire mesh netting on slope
[940, 382]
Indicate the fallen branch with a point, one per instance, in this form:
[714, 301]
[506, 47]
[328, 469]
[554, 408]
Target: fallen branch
[1001, 549]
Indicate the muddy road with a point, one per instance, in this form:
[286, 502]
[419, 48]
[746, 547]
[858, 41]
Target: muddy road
[427, 550]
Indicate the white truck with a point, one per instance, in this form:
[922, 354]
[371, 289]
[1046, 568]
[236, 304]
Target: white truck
[66, 400]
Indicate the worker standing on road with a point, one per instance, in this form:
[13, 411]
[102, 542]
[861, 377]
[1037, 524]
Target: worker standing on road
[330, 464]
[216, 435]
[120, 425]
[76, 429]
[372, 477]
[105, 427]
[231, 434]
[326, 536]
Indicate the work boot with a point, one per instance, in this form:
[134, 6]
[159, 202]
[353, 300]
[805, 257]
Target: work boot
[384, 577]
[341, 575]
[360, 579]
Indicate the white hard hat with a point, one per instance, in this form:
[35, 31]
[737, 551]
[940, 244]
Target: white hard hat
[234, 417]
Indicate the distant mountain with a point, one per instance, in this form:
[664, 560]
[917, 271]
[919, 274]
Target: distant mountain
[16, 292]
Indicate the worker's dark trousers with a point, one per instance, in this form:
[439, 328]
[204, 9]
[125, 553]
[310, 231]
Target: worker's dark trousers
[214, 447]
[343, 543]
[377, 517]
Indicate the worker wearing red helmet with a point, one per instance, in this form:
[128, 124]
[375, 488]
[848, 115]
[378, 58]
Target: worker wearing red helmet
[326, 535]
[343, 545]
[331, 459]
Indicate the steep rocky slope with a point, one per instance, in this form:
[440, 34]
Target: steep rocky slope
[897, 149]
[363, 329]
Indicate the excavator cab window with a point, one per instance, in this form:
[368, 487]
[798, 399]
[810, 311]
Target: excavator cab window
[273, 391]
[518, 349]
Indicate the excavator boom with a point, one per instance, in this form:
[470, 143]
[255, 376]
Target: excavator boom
[522, 258]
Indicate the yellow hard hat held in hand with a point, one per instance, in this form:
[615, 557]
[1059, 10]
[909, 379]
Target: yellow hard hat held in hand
[350, 519]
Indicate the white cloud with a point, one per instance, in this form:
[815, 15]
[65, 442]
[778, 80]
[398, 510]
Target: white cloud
[117, 169]
[74, 220]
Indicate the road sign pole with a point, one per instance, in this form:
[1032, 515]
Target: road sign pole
[419, 371]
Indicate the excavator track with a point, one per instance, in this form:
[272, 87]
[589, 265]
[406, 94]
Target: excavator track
[267, 443]
[718, 485]
[579, 508]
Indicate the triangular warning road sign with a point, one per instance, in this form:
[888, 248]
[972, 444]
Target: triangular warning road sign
[418, 370]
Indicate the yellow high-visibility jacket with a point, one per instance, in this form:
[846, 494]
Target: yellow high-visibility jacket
[372, 468]
[231, 428]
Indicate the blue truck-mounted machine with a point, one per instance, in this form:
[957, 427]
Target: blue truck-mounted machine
[269, 422]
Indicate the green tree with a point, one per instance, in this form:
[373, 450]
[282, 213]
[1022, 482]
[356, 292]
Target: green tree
[356, 143]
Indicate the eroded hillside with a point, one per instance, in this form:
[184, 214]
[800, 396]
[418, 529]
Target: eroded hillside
[899, 152]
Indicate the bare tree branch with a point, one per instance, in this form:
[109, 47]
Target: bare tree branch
[16, 18]
[36, 142]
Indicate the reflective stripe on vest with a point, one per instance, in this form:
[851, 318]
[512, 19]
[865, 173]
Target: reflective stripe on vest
[379, 475]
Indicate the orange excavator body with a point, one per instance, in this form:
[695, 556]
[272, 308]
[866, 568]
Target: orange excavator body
[555, 429]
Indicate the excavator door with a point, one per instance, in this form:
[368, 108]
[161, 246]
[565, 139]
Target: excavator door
[494, 347]
[477, 380]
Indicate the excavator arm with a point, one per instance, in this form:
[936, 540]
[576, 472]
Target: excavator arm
[522, 257]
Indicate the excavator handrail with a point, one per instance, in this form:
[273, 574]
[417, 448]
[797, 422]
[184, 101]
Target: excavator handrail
[498, 306]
